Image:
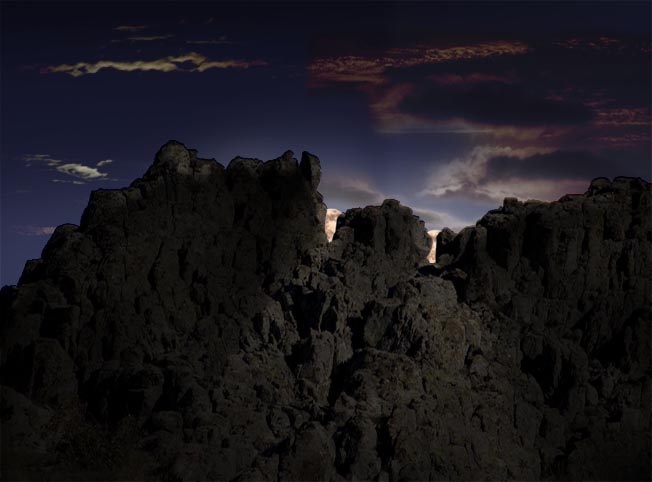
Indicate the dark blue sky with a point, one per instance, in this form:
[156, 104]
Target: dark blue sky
[447, 107]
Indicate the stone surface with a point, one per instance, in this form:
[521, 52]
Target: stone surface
[198, 325]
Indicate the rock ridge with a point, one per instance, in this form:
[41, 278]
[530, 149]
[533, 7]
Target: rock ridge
[197, 325]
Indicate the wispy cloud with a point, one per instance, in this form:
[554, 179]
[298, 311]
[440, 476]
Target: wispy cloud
[198, 63]
[350, 191]
[34, 230]
[440, 219]
[143, 38]
[46, 159]
[622, 140]
[492, 173]
[430, 217]
[603, 43]
[465, 175]
[370, 69]
[64, 181]
[472, 78]
[73, 169]
[216, 41]
[130, 28]
[385, 107]
[624, 116]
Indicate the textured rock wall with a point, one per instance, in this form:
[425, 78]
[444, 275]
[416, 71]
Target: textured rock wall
[197, 325]
[574, 279]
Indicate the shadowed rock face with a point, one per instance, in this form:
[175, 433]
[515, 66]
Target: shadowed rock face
[197, 325]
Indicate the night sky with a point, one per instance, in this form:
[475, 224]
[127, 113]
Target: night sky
[447, 107]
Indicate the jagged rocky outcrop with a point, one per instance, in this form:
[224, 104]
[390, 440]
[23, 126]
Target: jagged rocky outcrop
[198, 325]
[573, 281]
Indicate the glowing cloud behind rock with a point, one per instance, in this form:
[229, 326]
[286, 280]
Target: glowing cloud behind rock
[431, 255]
[331, 222]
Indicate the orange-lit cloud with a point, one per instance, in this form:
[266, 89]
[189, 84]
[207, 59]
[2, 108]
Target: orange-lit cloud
[622, 140]
[348, 69]
[130, 28]
[603, 43]
[229, 64]
[594, 43]
[408, 57]
[147, 38]
[215, 41]
[198, 63]
[623, 117]
[457, 79]
[385, 107]
[390, 119]
[362, 69]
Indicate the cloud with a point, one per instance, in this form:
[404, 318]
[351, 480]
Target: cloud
[385, 107]
[219, 41]
[408, 57]
[439, 219]
[552, 165]
[493, 103]
[470, 78]
[77, 170]
[492, 173]
[229, 64]
[388, 109]
[350, 192]
[44, 158]
[130, 28]
[567, 93]
[371, 69]
[465, 174]
[621, 140]
[331, 222]
[63, 181]
[623, 116]
[198, 63]
[540, 189]
[144, 38]
[604, 43]
[34, 230]
[81, 171]
[429, 217]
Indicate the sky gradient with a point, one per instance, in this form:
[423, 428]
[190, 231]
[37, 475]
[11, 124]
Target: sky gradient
[447, 107]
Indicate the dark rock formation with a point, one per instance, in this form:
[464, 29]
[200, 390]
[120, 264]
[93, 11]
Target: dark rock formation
[572, 282]
[197, 325]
